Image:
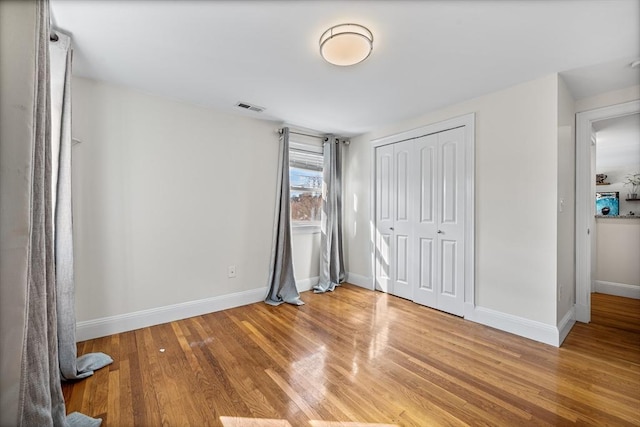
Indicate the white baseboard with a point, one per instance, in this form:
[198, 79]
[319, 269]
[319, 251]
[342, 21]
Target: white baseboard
[96, 328]
[618, 289]
[565, 325]
[362, 281]
[307, 284]
[531, 329]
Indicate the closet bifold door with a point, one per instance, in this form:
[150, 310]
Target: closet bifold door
[450, 233]
[420, 206]
[394, 218]
[384, 219]
[425, 230]
[403, 218]
[439, 225]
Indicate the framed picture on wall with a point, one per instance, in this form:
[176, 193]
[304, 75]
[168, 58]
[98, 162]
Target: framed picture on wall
[608, 203]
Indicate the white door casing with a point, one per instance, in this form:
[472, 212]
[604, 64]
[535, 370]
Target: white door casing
[585, 196]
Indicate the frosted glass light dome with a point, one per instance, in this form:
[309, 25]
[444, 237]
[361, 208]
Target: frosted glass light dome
[346, 44]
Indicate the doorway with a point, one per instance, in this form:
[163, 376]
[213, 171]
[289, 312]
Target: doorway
[585, 200]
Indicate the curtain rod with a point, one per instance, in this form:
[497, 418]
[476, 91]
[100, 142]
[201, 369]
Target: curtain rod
[279, 131]
[324, 138]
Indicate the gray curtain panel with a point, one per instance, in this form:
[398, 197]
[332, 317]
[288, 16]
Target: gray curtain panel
[331, 257]
[282, 283]
[40, 401]
[71, 367]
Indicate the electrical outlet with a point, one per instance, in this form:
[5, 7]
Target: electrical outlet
[231, 271]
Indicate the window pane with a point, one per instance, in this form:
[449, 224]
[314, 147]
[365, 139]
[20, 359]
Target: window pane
[306, 189]
[306, 207]
[305, 179]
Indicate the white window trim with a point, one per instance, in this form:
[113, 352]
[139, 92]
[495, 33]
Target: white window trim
[305, 228]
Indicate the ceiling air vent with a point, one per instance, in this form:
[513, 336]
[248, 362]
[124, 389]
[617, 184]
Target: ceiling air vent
[250, 107]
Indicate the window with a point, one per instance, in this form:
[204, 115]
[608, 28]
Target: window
[305, 179]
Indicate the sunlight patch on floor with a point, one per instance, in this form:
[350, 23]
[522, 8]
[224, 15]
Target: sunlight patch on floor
[265, 422]
[315, 423]
[252, 422]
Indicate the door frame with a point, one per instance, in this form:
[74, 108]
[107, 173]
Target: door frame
[585, 199]
[468, 122]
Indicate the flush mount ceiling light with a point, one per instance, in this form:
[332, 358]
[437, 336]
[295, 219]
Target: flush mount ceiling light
[346, 44]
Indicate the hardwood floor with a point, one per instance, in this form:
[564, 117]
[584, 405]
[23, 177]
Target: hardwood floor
[360, 358]
[615, 312]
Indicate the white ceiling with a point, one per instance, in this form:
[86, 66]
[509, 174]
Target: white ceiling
[427, 54]
[618, 144]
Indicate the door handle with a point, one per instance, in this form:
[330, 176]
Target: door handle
[440, 232]
[391, 228]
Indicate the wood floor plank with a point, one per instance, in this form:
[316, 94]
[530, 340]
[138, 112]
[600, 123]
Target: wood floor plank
[359, 358]
[124, 405]
[146, 410]
[201, 388]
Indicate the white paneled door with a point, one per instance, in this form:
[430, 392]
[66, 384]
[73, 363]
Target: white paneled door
[420, 220]
[403, 162]
[384, 218]
[439, 224]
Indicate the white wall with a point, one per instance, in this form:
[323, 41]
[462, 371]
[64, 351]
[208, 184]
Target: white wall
[306, 259]
[357, 202]
[618, 246]
[566, 193]
[516, 197]
[608, 98]
[167, 195]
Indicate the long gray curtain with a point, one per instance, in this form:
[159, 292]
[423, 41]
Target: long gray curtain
[282, 283]
[39, 399]
[71, 366]
[41, 402]
[331, 257]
